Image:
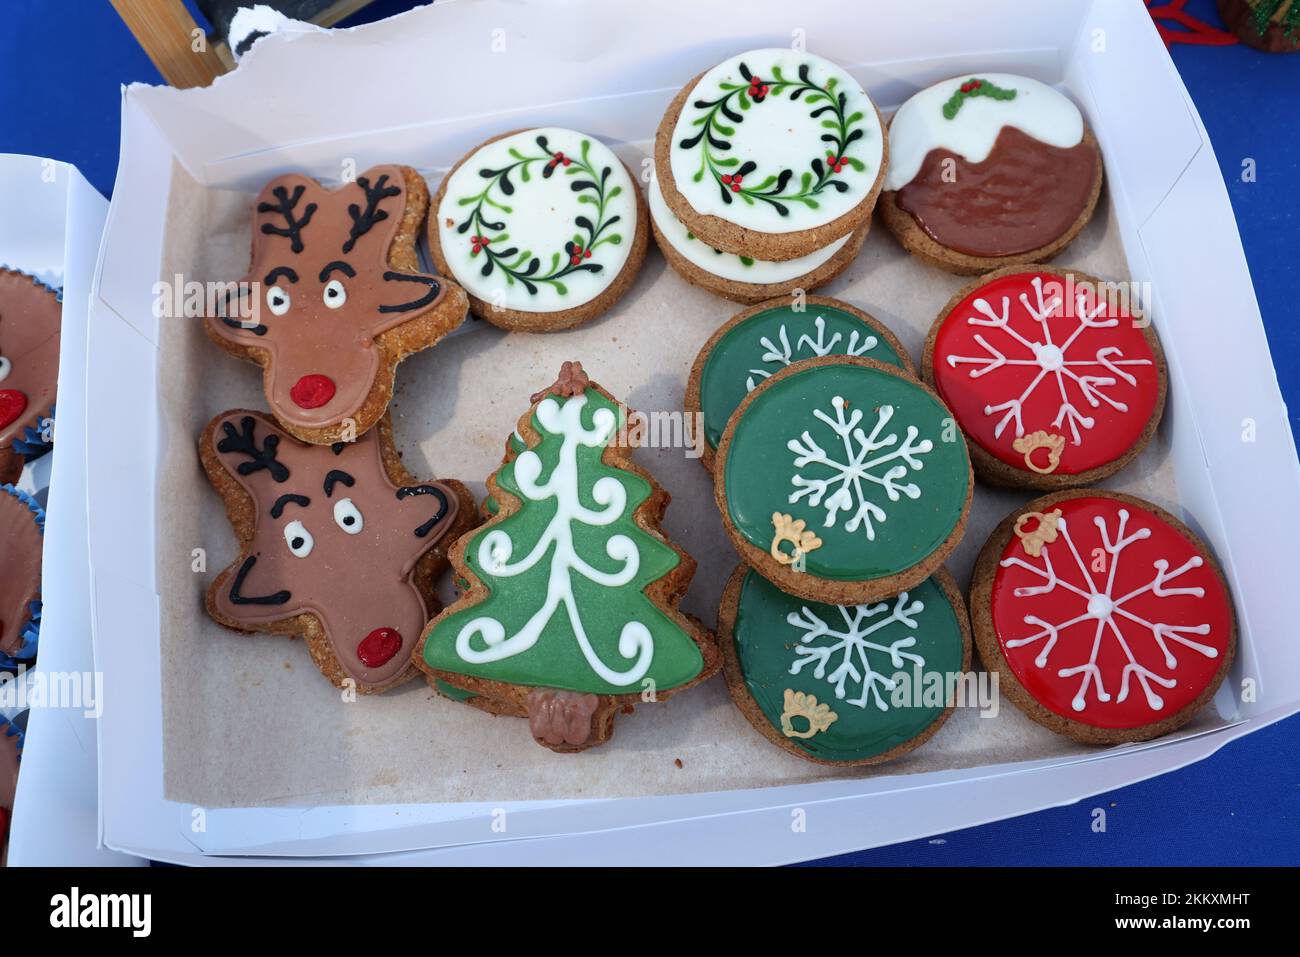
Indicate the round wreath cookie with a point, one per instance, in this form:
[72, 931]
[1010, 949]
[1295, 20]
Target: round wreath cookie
[989, 170]
[763, 340]
[1054, 383]
[1106, 618]
[1269, 25]
[11, 750]
[772, 154]
[842, 479]
[545, 229]
[743, 278]
[844, 684]
[22, 531]
[31, 314]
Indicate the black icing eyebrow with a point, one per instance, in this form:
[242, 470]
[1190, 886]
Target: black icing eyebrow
[337, 475]
[288, 498]
[279, 271]
[337, 265]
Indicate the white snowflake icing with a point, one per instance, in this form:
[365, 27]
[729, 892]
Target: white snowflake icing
[1099, 604]
[852, 643]
[807, 347]
[1052, 359]
[845, 488]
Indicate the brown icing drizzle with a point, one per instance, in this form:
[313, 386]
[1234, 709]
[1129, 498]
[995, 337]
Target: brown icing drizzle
[30, 316]
[558, 717]
[328, 251]
[350, 561]
[1024, 195]
[20, 585]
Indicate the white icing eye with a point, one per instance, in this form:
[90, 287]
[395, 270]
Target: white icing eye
[277, 300]
[335, 294]
[348, 516]
[5, 366]
[299, 539]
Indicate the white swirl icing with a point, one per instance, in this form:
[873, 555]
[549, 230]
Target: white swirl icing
[727, 265]
[919, 126]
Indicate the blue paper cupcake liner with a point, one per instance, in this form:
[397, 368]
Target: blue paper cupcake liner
[31, 630]
[32, 444]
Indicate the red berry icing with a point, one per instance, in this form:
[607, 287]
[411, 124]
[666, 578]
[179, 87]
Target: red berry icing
[378, 647]
[1012, 360]
[312, 391]
[1118, 622]
[12, 404]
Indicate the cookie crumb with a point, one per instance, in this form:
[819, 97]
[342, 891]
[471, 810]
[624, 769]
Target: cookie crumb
[678, 762]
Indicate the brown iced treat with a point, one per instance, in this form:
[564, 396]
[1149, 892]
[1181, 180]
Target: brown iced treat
[8, 784]
[560, 719]
[336, 299]
[30, 318]
[339, 544]
[21, 543]
[1269, 25]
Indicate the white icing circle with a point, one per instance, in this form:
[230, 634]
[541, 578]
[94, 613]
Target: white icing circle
[727, 265]
[779, 133]
[920, 126]
[539, 218]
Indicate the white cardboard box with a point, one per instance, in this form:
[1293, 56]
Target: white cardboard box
[51, 228]
[297, 102]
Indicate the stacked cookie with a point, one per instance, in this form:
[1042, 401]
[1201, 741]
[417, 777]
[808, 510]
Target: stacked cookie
[766, 171]
[843, 486]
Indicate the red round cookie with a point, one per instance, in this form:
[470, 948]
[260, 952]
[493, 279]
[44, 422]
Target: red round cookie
[1056, 384]
[1108, 615]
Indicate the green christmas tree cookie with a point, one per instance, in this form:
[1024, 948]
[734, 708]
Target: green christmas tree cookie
[571, 608]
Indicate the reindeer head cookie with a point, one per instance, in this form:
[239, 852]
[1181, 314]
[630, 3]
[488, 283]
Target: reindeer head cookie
[337, 543]
[333, 300]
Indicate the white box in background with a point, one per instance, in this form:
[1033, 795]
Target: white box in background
[379, 94]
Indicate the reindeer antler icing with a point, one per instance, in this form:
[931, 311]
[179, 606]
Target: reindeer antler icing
[338, 543]
[334, 300]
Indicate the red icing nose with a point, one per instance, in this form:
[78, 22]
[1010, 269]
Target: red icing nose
[12, 404]
[312, 391]
[378, 647]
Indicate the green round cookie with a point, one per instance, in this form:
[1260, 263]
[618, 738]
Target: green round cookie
[860, 463]
[771, 339]
[843, 684]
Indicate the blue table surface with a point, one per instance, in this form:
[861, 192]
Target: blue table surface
[59, 90]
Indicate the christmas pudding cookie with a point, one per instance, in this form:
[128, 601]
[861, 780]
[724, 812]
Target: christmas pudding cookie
[1269, 25]
[337, 301]
[1055, 383]
[337, 543]
[22, 539]
[843, 480]
[764, 340]
[1105, 617]
[544, 228]
[844, 684]
[772, 154]
[743, 278]
[30, 316]
[989, 170]
[571, 610]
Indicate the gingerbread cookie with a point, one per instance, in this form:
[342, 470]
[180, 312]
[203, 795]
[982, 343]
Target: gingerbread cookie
[743, 278]
[571, 609]
[1055, 383]
[843, 480]
[1106, 618]
[338, 543]
[337, 299]
[22, 539]
[31, 314]
[11, 750]
[1269, 25]
[989, 170]
[545, 228]
[772, 154]
[844, 685]
[763, 340]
